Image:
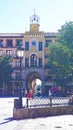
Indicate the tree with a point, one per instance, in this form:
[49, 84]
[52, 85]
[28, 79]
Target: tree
[5, 70]
[59, 62]
[60, 55]
[66, 39]
[66, 35]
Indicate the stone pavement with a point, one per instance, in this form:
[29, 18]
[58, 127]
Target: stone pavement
[63, 122]
[49, 123]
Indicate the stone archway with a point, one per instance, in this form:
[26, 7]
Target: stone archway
[31, 81]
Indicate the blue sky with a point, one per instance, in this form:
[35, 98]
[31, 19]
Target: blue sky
[15, 14]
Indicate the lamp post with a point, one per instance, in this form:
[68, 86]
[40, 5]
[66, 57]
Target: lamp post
[20, 53]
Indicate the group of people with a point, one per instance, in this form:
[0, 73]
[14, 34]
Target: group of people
[54, 91]
[51, 92]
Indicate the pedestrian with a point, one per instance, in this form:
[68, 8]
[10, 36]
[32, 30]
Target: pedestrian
[50, 93]
[29, 95]
[50, 97]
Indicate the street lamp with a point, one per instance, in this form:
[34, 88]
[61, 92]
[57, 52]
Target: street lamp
[20, 54]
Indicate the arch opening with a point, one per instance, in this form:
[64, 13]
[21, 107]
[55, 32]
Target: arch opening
[34, 83]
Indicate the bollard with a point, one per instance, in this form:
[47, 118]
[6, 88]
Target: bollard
[17, 103]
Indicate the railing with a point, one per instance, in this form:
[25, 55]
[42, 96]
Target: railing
[48, 102]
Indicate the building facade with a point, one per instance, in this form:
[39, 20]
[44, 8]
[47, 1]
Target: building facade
[35, 44]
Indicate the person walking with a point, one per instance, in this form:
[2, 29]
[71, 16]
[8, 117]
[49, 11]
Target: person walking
[50, 93]
[50, 97]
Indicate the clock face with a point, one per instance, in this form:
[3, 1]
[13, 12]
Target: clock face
[33, 43]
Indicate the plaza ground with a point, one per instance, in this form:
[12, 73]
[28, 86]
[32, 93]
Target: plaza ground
[62, 122]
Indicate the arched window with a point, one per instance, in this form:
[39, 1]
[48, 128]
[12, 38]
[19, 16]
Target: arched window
[33, 60]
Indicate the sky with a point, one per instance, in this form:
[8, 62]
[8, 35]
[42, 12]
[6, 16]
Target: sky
[15, 14]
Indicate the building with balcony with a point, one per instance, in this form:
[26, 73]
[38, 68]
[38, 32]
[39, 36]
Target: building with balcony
[35, 44]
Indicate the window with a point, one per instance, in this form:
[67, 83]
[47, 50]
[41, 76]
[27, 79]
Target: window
[1, 43]
[33, 60]
[26, 45]
[17, 63]
[17, 75]
[19, 42]
[1, 52]
[48, 42]
[40, 46]
[9, 52]
[27, 62]
[9, 43]
[40, 62]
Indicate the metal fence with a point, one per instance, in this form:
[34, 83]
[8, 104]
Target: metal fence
[48, 102]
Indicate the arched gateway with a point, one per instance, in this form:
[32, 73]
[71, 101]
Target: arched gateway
[33, 77]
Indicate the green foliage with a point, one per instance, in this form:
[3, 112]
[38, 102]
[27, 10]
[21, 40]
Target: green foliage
[60, 54]
[66, 39]
[66, 35]
[59, 60]
[5, 69]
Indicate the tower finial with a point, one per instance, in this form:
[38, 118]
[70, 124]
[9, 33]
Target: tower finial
[34, 18]
[34, 10]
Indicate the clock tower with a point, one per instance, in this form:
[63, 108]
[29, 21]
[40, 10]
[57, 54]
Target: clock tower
[34, 26]
[34, 54]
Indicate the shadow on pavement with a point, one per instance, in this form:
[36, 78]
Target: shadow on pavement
[7, 120]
